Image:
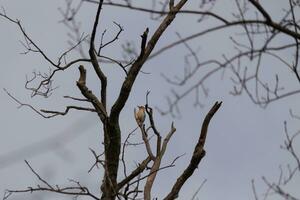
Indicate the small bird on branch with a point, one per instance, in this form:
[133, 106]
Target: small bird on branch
[140, 115]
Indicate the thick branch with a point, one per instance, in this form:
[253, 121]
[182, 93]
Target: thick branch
[261, 10]
[92, 53]
[81, 84]
[137, 65]
[198, 154]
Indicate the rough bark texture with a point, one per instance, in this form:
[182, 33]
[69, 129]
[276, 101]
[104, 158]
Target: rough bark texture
[112, 143]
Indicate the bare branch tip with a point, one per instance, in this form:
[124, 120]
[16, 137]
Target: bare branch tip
[172, 126]
[217, 105]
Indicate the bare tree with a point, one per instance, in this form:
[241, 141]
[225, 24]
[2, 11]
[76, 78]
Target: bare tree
[288, 172]
[111, 188]
[255, 38]
[259, 36]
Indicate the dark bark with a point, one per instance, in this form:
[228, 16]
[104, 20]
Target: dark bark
[198, 154]
[112, 143]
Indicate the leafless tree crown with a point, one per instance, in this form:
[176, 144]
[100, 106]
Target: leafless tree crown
[256, 36]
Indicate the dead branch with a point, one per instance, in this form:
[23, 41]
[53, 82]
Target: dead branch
[55, 113]
[77, 190]
[198, 154]
[97, 160]
[44, 86]
[156, 165]
[141, 167]
[81, 84]
[94, 60]
[144, 54]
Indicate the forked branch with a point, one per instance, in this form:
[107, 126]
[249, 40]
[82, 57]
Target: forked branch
[144, 55]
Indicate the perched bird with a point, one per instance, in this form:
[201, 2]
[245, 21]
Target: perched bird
[140, 115]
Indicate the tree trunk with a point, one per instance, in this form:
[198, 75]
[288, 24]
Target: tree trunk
[112, 140]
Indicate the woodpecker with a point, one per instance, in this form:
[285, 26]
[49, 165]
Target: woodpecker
[140, 115]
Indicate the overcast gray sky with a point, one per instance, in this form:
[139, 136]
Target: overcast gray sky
[243, 141]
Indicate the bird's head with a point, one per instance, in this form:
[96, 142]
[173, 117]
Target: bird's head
[141, 108]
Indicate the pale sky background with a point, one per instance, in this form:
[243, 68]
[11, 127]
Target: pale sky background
[243, 141]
